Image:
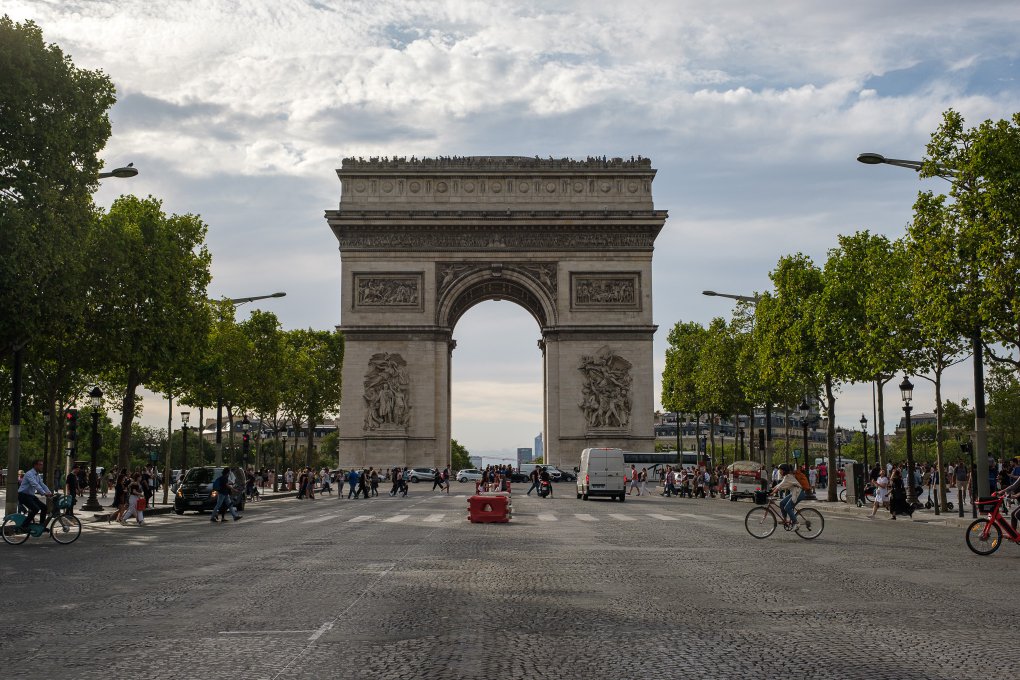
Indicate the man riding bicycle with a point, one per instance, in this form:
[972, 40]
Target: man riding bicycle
[792, 482]
[32, 484]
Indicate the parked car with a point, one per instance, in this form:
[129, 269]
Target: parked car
[554, 474]
[559, 475]
[422, 474]
[471, 474]
[196, 493]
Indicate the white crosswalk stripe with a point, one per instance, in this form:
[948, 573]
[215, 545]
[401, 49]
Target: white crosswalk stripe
[361, 518]
[285, 519]
[666, 518]
[396, 518]
[584, 517]
[622, 518]
[547, 517]
[435, 518]
[319, 519]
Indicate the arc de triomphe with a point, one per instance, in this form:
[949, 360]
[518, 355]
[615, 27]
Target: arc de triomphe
[423, 240]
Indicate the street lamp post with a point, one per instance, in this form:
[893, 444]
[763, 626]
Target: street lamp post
[245, 429]
[92, 505]
[185, 416]
[907, 393]
[743, 453]
[679, 441]
[977, 346]
[864, 434]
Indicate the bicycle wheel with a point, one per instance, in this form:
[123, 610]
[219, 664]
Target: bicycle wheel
[759, 522]
[842, 495]
[810, 523]
[12, 534]
[65, 529]
[980, 544]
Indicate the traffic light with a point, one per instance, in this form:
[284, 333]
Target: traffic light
[245, 438]
[72, 424]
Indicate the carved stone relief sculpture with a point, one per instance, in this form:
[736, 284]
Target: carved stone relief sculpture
[606, 390]
[387, 291]
[387, 395]
[606, 292]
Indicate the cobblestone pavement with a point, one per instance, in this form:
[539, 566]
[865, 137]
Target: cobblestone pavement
[407, 588]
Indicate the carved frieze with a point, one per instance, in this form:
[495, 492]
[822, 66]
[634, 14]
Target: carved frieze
[601, 291]
[490, 239]
[387, 393]
[449, 273]
[606, 397]
[389, 290]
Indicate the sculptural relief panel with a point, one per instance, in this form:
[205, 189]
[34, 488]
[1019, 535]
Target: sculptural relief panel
[601, 292]
[387, 393]
[606, 397]
[397, 291]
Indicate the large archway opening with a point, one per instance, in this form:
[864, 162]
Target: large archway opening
[497, 401]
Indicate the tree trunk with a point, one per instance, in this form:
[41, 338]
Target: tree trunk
[881, 421]
[230, 434]
[830, 440]
[939, 448]
[711, 435]
[786, 431]
[127, 417]
[311, 434]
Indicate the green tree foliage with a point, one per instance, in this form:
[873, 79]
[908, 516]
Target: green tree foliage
[149, 292]
[53, 123]
[982, 221]
[459, 459]
[679, 377]
[314, 386]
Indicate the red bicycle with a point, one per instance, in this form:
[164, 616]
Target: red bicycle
[984, 535]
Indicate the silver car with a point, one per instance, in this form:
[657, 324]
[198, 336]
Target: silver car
[422, 474]
[471, 475]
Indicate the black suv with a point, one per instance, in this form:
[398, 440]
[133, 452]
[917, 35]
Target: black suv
[196, 492]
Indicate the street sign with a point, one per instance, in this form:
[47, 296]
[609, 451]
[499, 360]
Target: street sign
[154, 456]
[796, 453]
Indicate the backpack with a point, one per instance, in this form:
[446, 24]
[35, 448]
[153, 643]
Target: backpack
[804, 484]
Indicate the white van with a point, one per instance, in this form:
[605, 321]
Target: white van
[600, 473]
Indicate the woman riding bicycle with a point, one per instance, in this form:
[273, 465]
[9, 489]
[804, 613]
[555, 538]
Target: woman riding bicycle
[788, 504]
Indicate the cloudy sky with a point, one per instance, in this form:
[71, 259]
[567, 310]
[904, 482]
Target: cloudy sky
[752, 112]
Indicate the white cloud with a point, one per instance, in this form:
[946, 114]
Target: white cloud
[753, 113]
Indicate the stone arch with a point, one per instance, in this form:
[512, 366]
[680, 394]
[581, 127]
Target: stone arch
[424, 240]
[484, 285]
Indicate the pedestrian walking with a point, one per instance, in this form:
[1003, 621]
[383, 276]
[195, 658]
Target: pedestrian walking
[224, 497]
[632, 476]
[374, 481]
[961, 477]
[71, 487]
[898, 496]
[437, 480]
[136, 501]
[881, 493]
[644, 482]
[352, 481]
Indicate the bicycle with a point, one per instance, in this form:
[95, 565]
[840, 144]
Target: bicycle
[63, 528]
[984, 535]
[761, 521]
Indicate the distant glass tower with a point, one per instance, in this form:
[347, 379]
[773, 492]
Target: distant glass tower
[538, 447]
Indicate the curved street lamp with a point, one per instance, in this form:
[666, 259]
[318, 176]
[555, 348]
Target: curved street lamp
[977, 346]
[128, 170]
[907, 394]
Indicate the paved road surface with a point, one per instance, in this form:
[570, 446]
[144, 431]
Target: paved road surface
[406, 588]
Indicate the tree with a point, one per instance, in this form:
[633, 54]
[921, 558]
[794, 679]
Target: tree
[459, 458]
[716, 374]
[53, 123]
[679, 376]
[314, 384]
[149, 294]
[265, 370]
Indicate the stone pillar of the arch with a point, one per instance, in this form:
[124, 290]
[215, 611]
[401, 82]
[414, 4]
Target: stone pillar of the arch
[425, 441]
[567, 431]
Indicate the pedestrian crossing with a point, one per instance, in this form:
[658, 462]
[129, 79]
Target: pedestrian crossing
[435, 518]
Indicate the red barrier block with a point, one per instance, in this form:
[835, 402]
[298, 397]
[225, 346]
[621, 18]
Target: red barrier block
[482, 509]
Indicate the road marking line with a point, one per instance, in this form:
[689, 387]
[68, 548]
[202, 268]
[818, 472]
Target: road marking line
[319, 519]
[361, 518]
[396, 518]
[266, 632]
[460, 496]
[585, 517]
[666, 518]
[547, 517]
[285, 519]
[622, 518]
[435, 518]
[321, 631]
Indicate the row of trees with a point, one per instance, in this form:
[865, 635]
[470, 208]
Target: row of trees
[118, 298]
[877, 307]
